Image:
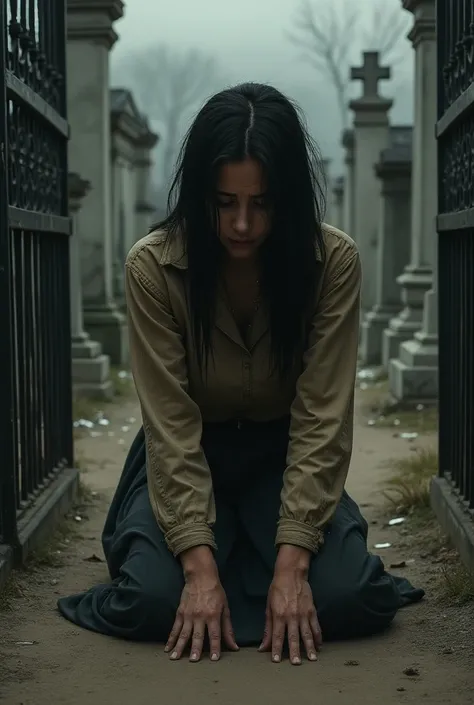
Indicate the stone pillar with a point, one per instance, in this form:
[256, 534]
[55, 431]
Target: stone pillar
[338, 203]
[90, 38]
[394, 174]
[144, 209]
[372, 135]
[349, 184]
[413, 374]
[90, 368]
[326, 163]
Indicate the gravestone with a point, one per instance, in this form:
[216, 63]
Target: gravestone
[371, 136]
[90, 37]
[90, 367]
[394, 173]
[349, 183]
[413, 373]
[338, 203]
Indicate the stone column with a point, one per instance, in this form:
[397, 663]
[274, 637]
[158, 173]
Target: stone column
[413, 374]
[372, 135]
[90, 368]
[394, 174]
[144, 209]
[349, 183]
[338, 203]
[90, 38]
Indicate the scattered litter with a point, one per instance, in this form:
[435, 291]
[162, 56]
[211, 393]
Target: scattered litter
[123, 374]
[77, 518]
[363, 386]
[95, 434]
[352, 663]
[26, 643]
[367, 373]
[111, 434]
[411, 672]
[83, 423]
[371, 422]
[121, 441]
[125, 429]
[94, 493]
[94, 559]
[408, 436]
[132, 419]
[420, 407]
[402, 564]
[382, 545]
[396, 422]
[396, 521]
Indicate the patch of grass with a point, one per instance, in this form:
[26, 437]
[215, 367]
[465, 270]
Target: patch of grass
[409, 488]
[458, 583]
[84, 408]
[10, 592]
[50, 553]
[122, 382]
[423, 421]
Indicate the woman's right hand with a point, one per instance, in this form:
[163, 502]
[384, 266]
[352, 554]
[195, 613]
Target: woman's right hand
[203, 607]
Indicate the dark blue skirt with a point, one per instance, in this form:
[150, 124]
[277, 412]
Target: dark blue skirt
[353, 594]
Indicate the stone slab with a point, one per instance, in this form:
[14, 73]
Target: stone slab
[455, 519]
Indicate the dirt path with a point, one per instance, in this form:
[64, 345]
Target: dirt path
[45, 660]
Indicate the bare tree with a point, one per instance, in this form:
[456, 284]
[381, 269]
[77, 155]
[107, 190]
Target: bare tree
[332, 34]
[170, 85]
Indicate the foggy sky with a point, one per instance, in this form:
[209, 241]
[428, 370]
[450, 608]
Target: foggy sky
[247, 37]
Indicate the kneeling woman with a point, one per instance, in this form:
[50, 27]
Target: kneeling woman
[230, 524]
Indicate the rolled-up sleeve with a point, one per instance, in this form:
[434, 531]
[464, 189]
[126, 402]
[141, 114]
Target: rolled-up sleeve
[321, 429]
[179, 478]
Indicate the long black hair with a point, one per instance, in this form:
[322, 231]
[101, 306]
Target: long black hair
[256, 121]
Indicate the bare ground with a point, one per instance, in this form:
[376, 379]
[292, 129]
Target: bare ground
[427, 656]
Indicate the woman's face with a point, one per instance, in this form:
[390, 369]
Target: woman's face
[242, 204]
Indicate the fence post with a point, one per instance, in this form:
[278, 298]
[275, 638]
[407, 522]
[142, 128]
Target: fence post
[8, 450]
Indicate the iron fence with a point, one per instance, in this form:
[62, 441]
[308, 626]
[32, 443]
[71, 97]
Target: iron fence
[35, 346]
[455, 133]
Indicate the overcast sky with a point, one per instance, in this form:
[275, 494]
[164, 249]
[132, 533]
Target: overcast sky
[247, 37]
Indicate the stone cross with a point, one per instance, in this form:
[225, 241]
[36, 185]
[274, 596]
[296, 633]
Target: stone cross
[370, 73]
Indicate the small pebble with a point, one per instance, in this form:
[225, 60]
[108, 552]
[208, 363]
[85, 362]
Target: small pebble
[352, 663]
[411, 672]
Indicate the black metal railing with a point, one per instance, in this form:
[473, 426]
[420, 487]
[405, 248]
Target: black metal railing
[455, 132]
[35, 347]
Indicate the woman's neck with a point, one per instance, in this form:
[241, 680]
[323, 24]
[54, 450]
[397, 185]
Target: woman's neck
[241, 269]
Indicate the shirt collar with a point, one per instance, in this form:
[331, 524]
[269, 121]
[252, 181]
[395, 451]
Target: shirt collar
[174, 250]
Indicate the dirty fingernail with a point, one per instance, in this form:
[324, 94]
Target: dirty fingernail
[174, 655]
[214, 657]
[194, 657]
[296, 660]
[276, 658]
[313, 657]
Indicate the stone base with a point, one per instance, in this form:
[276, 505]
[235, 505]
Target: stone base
[398, 331]
[455, 519]
[90, 369]
[371, 339]
[109, 327]
[413, 376]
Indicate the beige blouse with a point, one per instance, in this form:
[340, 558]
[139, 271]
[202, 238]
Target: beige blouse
[175, 401]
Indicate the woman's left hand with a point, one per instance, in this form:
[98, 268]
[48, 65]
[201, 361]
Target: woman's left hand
[291, 613]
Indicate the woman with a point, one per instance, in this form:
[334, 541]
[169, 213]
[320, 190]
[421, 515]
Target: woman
[230, 524]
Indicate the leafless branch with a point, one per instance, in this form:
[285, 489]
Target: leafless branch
[169, 85]
[330, 35]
